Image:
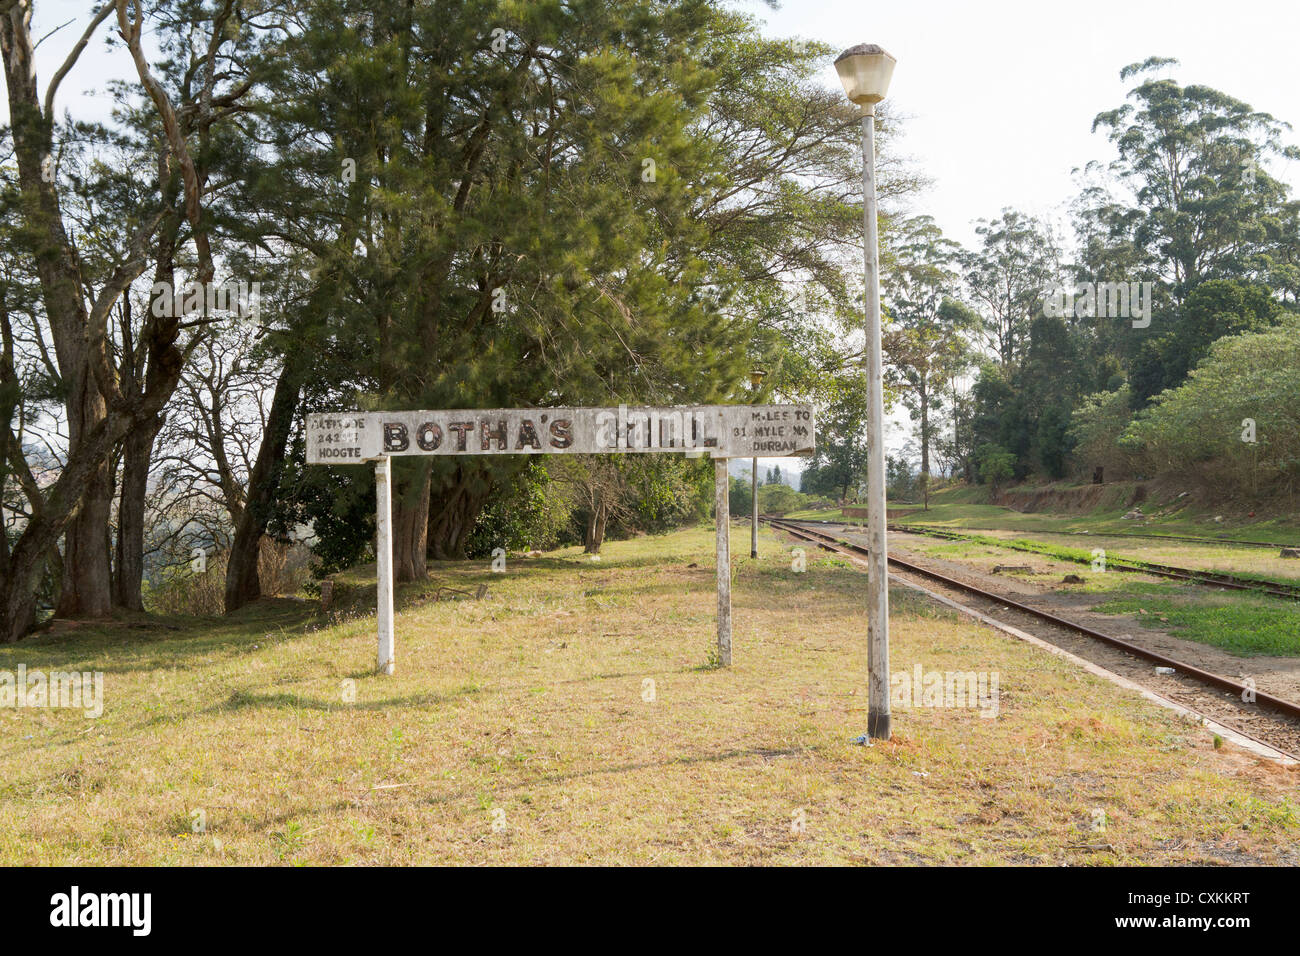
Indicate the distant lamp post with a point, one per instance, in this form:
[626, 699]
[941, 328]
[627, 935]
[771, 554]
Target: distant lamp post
[755, 381]
[865, 71]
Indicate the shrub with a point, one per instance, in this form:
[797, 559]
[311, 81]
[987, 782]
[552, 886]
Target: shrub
[282, 567]
[994, 465]
[1247, 387]
[1096, 429]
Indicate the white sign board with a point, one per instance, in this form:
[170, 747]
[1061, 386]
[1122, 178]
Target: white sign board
[723, 431]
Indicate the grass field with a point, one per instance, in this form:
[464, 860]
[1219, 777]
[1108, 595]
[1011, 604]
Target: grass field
[522, 729]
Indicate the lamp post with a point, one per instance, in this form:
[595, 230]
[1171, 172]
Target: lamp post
[865, 71]
[755, 380]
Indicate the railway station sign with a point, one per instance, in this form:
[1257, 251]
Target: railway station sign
[720, 431]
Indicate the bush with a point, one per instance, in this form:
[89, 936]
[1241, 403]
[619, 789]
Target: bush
[1096, 429]
[528, 511]
[739, 496]
[994, 465]
[779, 500]
[180, 588]
[1247, 387]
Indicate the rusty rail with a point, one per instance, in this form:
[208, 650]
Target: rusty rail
[831, 543]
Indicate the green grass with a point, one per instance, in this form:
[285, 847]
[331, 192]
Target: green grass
[834, 514]
[1238, 622]
[1247, 627]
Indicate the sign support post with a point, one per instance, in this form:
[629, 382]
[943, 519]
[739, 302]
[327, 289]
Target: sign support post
[722, 513]
[384, 560]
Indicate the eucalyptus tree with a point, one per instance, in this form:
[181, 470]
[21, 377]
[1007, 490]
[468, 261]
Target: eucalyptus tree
[82, 282]
[1201, 201]
[1189, 201]
[929, 329]
[1016, 263]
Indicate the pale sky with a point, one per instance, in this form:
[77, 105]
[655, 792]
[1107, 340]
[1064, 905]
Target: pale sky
[1001, 94]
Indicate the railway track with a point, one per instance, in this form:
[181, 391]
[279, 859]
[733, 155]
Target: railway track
[1285, 712]
[1281, 589]
[1197, 539]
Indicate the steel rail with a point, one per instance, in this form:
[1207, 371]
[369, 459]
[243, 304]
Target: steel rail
[830, 543]
[1280, 589]
[1137, 534]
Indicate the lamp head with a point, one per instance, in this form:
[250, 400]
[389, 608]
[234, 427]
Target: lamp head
[865, 70]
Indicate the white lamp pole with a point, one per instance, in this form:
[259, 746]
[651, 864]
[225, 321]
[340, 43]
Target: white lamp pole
[865, 71]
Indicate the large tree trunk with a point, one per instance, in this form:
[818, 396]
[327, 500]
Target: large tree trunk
[925, 447]
[412, 483]
[595, 536]
[18, 597]
[18, 608]
[87, 572]
[17, 600]
[242, 582]
[21, 577]
[454, 506]
[129, 573]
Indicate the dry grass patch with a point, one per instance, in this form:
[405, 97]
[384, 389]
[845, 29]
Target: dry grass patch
[521, 729]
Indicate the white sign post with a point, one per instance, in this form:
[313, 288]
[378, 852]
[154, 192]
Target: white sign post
[722, 515]
[384, 561]
[721, 431]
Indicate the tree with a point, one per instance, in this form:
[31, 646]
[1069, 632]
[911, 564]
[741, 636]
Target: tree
[1096, 428]
[479, 287]
[76, 302]
[708, 164]
[640, 492]
[928, 329]
[900, 478]
[996, 465]
[1214, 309]
[1007, 276]
[1025, 410]
[532, 511]
[839, 463]
[1203, 204]
[1234, 425]
[214, 426]
[739, 494]
[956, 452]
